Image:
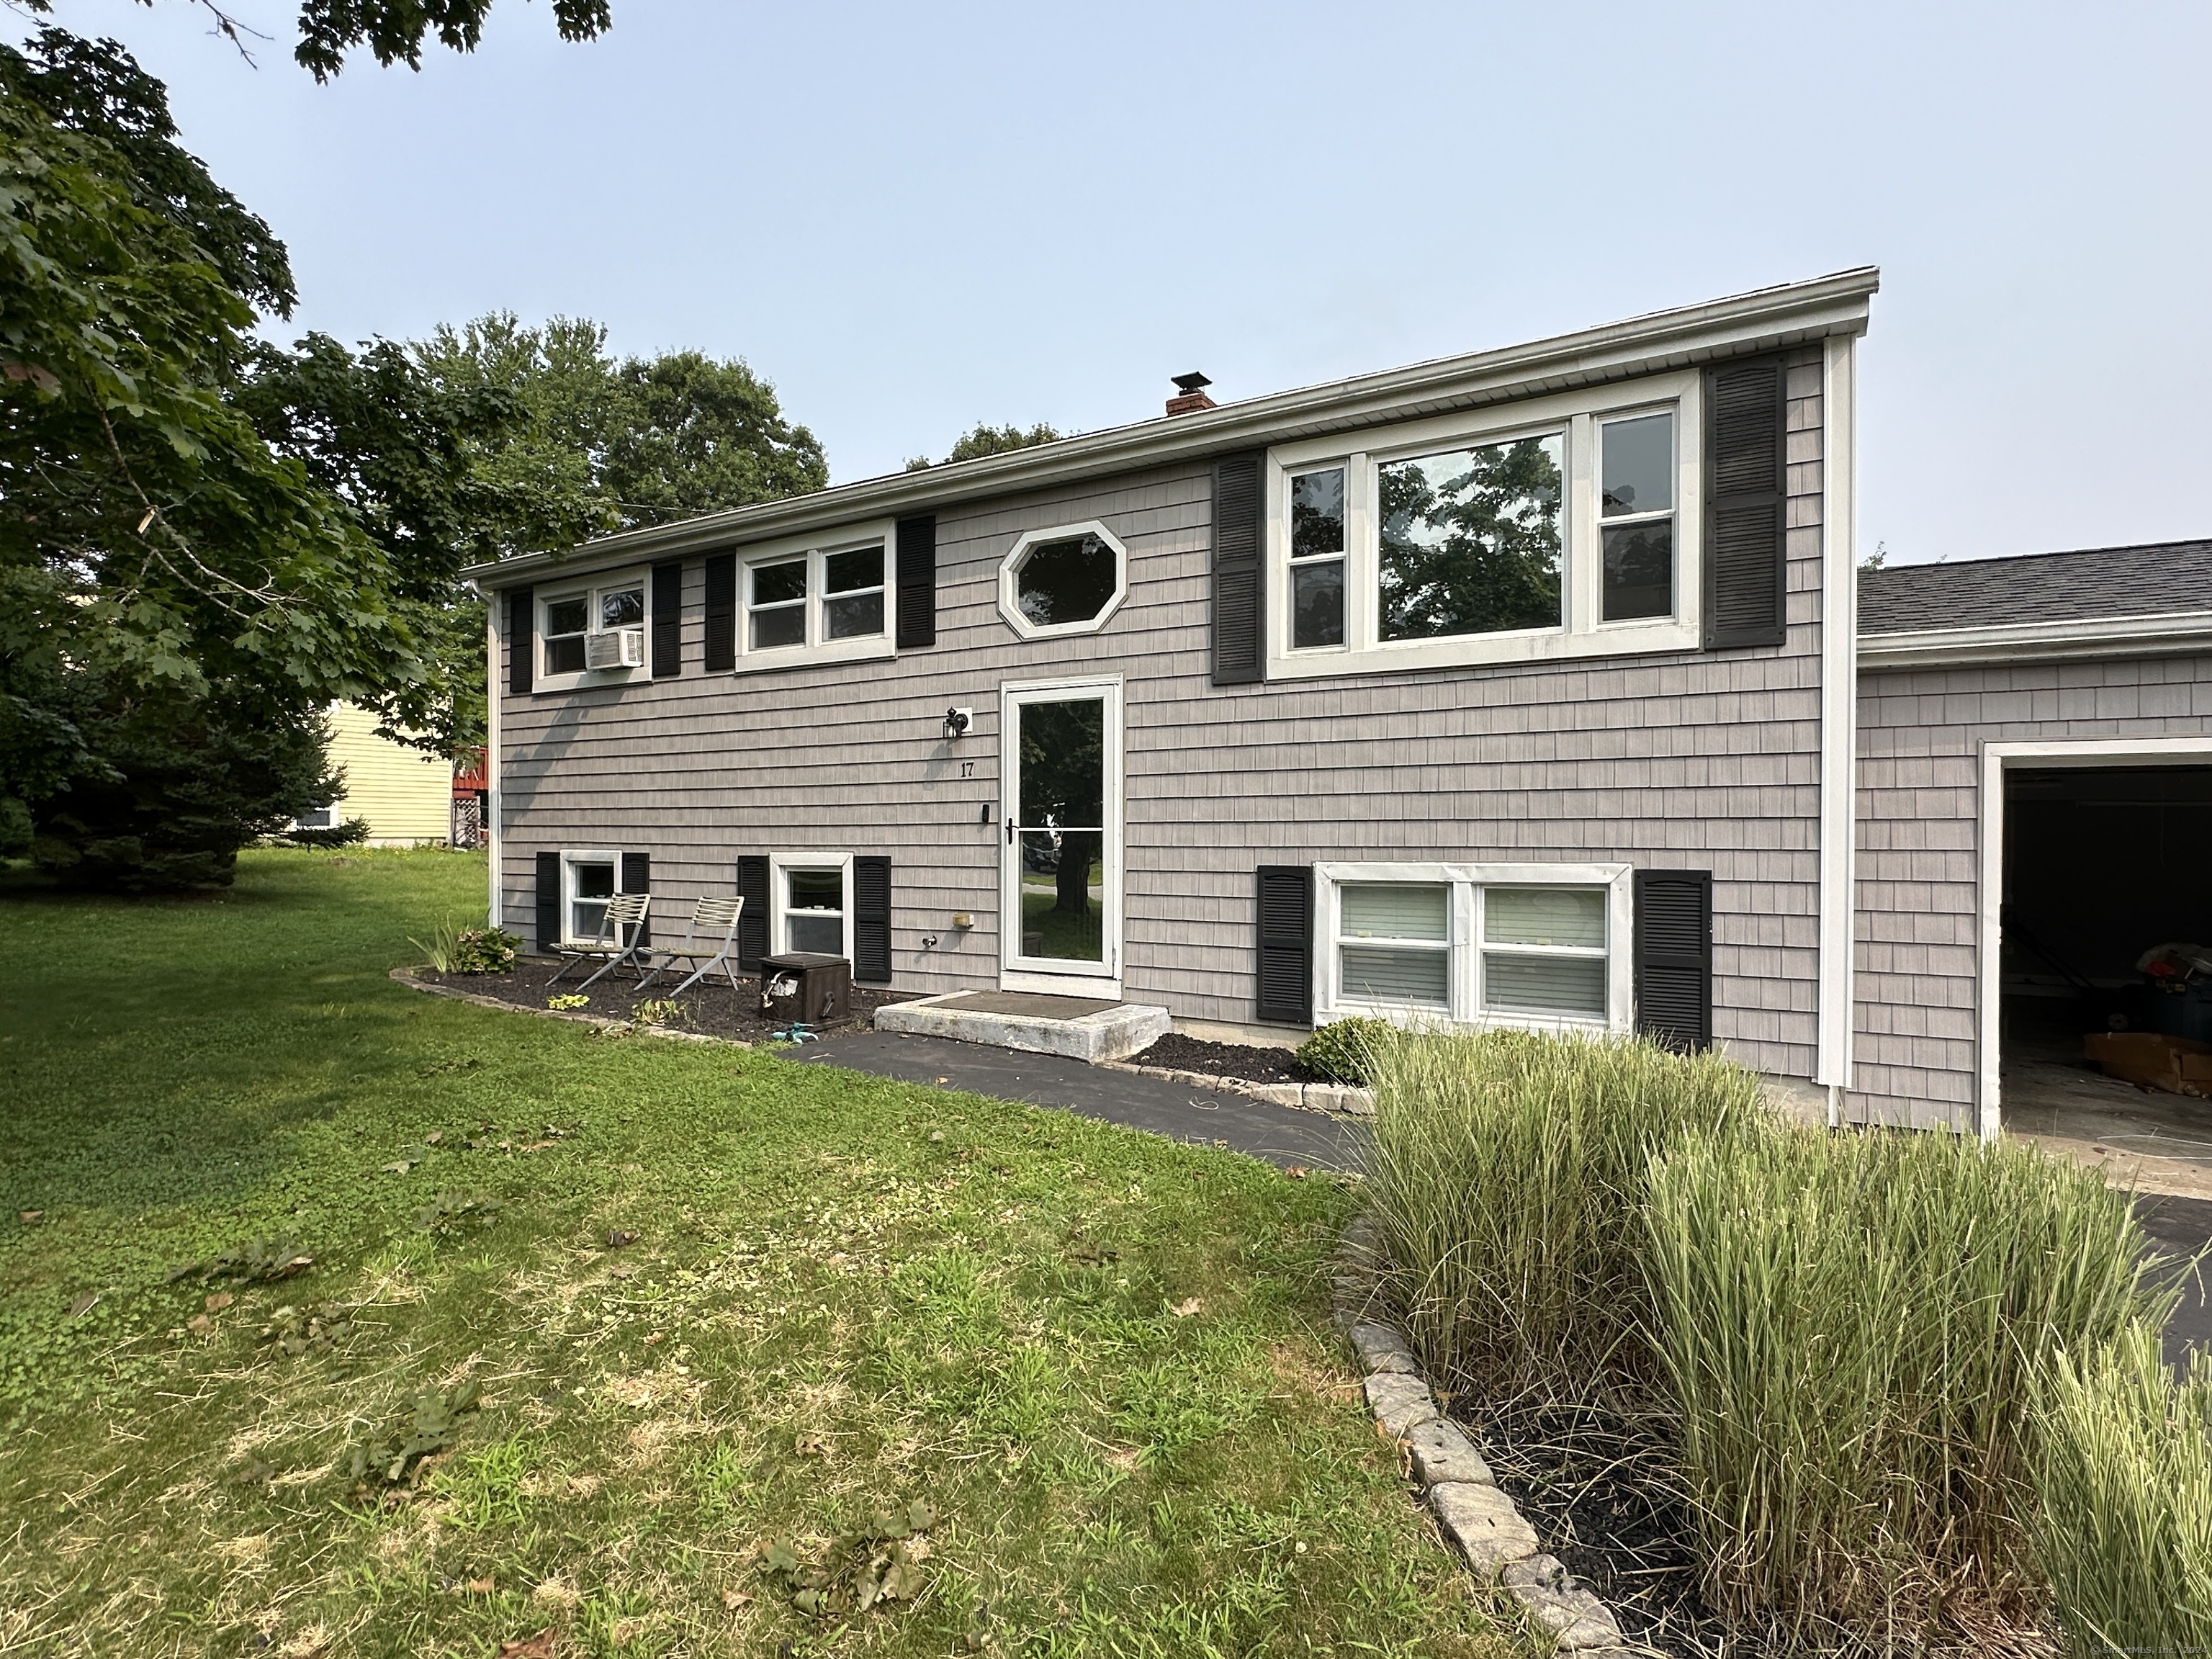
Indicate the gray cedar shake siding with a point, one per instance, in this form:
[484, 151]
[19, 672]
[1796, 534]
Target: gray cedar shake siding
[1922, 727]
[1685, 760]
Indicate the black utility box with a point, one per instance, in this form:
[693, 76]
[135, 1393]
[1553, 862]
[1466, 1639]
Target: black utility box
[802, 985]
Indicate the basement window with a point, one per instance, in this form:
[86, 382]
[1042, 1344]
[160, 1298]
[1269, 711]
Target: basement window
[1517, 944]
[588, 881]
[810, 908]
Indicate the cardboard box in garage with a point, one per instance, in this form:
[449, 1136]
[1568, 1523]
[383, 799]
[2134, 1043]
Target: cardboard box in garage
[2153, 1060]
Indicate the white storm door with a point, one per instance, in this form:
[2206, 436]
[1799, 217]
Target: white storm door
[1060, 886]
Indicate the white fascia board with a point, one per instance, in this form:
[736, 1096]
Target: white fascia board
[1769, 318]
[2109, 636]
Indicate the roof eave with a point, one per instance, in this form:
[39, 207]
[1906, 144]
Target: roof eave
[1768, 319]
[2150, 636]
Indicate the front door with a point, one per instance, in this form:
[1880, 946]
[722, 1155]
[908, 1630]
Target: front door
[1060, 890]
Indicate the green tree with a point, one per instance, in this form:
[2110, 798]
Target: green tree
[415, 461]
[627, 443]
[394, 31]
[160, 566]
[987, 439]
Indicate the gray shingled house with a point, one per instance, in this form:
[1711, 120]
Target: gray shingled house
[1520, 688]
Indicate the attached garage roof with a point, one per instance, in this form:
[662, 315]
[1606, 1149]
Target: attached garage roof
[2093, 585]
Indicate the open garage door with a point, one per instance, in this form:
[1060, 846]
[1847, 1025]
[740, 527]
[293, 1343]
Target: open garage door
[2104, 866]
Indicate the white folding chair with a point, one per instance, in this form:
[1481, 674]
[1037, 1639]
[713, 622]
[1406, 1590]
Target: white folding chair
[621, 939]
[711, 940]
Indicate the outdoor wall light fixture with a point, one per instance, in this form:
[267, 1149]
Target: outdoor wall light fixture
[957, 722]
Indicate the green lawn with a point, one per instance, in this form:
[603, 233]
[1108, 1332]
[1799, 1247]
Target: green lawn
[1103, 1360]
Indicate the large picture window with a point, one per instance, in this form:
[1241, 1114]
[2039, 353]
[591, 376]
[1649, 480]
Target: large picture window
[1469, 540]
[1542, 945]
[1461, 539]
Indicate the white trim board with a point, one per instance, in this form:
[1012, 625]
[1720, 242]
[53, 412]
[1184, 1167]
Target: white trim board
[495, 793]
[1988, 888]
[1839, 830]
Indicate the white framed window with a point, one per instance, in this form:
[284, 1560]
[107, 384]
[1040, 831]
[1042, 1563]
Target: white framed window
[1538, 946]
[815, 599]
[1068, 579]
[811, 902]
[318, 818]
[589, 877]
[1542, 530]
[604, 620]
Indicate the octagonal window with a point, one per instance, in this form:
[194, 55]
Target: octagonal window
[1064, 580]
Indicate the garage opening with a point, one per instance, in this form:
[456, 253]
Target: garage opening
[2105, 969]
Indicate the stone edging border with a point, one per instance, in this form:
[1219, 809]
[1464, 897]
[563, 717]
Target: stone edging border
[1493, 1537]
[1338, 1100]
[600, 1022]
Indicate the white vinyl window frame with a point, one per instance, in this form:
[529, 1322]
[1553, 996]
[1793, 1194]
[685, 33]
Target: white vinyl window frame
[1573, 417]
[780, 866]
[815, 645]
[571, 857]
[1010, 571]
[1465, 946]
[592, 591]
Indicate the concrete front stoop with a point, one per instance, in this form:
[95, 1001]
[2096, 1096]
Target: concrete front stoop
[1077, 1027]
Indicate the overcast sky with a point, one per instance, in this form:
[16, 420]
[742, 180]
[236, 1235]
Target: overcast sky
[913, 218]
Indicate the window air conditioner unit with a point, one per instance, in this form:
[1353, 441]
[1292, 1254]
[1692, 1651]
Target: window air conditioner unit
[618, 647]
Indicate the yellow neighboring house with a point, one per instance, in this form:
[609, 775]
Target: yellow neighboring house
[406, 795]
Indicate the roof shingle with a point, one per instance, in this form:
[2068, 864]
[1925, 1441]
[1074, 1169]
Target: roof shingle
[2092, 585]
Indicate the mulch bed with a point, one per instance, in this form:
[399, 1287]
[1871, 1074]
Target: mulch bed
[709, 1007]
[1598, 1495]
[1182, 1054]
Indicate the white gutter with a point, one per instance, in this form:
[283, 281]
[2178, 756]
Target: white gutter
[1770, 319]
[2070, 637]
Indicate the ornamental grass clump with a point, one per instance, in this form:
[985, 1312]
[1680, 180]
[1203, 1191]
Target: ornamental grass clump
[1508, 1172]
[2125, 1480]
[1850, 1329]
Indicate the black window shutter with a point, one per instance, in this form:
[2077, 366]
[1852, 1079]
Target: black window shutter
[1285, 955]
[637, 878]
[1239, 585]
[871, 920]
[752, 924]
[721, 612]
[521, 638]
[917, 583]
[549, 901]
[1675, 956]
[667, 620]
[1745, 481]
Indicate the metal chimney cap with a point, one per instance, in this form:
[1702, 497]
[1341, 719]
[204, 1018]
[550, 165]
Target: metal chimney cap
[1188, 383]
